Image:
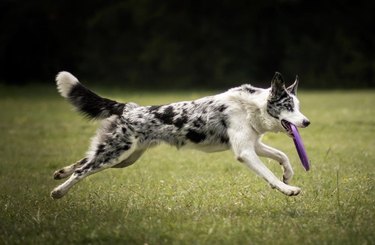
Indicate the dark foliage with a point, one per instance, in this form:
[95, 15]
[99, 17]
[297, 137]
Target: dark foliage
[179, 44]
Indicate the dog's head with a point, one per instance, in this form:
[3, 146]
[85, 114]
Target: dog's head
[283, 105]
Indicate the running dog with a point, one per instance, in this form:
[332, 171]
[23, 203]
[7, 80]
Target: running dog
[235, 119]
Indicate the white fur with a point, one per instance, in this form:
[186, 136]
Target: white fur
[295, 117]
[248, 125]
[65, 81]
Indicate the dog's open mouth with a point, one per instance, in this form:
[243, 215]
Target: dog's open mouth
[286, 126]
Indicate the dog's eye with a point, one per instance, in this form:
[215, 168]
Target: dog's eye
[289, 108]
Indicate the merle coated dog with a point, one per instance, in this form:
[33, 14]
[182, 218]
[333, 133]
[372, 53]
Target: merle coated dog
[234, 120]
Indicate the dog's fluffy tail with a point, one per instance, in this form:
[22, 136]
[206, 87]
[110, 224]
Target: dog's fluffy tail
[86, 101]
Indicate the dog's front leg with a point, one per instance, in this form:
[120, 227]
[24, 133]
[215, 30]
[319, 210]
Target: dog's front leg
[251, 160]
[266, 151]
[243, 145]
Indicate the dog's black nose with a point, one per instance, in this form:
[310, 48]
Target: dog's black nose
[306, 123]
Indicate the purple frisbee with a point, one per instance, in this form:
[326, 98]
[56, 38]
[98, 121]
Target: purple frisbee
[300, 147]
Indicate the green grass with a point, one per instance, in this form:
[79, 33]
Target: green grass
[185, 197]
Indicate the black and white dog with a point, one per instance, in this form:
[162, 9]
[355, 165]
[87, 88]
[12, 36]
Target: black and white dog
[234, 120]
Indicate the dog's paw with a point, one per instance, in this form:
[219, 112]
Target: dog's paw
[290, 190]
[56, 194]
[59, 174]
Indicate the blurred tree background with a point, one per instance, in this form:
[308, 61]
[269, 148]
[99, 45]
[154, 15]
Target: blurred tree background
[181, 44]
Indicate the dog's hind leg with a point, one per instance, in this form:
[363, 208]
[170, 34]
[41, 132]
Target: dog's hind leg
[68, 170]
[130, 160]
[267, 151]
[103, 159]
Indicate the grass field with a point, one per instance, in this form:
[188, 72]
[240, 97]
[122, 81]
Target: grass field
[185, 197]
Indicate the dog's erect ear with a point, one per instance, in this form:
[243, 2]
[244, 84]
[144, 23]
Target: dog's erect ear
[277, 86]
[293, 88]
